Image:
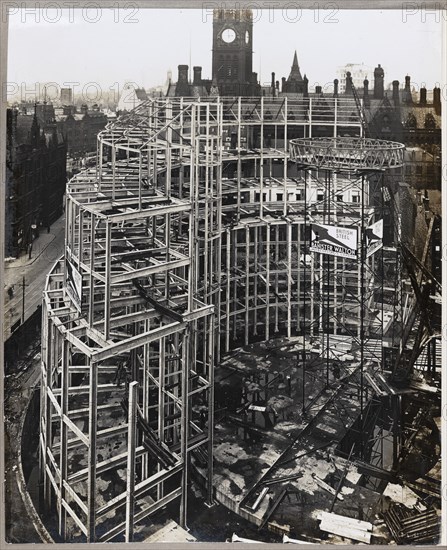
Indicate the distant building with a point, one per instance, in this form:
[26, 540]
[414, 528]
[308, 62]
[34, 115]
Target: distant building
[66, 96]
[422, 168]
[232, 60]
[35, 179]
[131, 97]
[395, 115]
[80, 129]
[197, 88]
[358, 71]
[295, 83]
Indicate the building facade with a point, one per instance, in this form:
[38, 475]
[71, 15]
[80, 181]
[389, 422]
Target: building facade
[36, 180]
[80, 128]
[358, 71]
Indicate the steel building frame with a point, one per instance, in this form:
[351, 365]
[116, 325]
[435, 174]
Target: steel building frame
[365, 161]
[185, 240]
[124, 327]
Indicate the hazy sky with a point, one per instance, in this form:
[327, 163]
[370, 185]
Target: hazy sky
[108, 46]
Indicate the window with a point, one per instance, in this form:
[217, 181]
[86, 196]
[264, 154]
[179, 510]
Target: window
[430, 121]
[355, 198]
[411, 121]
[235, 66]
[221, 70]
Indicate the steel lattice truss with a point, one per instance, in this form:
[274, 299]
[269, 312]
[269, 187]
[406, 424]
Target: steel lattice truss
[348, 154]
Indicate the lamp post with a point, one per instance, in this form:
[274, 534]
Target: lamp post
[23, 298]
[33, 229]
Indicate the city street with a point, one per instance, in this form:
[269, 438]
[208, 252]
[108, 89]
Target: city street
[47, 248]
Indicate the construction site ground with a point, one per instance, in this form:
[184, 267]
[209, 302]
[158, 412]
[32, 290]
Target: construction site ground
[294, 455]
[281, 468]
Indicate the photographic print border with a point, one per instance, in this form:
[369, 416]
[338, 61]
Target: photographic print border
[191, 4]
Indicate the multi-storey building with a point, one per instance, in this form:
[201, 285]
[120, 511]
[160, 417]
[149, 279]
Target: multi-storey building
[36, 167]
[80, 128]
[359, 73]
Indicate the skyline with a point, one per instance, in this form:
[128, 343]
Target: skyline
[323, 40]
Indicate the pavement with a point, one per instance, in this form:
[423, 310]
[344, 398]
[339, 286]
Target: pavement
[18, 391]
[47, 248]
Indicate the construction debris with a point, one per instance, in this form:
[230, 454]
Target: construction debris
[235, 538]
[326, 487]
[411, 526]
[354, 529]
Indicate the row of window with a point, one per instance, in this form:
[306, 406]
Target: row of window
[299, 196]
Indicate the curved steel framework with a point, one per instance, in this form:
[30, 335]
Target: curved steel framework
[127, 345]
[187, 238]
[348, 154]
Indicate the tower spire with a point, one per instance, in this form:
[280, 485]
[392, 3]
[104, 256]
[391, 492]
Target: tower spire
[295, 62]
[295, 73]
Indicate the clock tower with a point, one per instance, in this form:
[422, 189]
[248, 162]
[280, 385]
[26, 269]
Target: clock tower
[233, 52]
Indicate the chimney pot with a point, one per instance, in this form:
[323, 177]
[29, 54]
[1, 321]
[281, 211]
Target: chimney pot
[197, 75]
[423, 96]
[183, 73]
[348, 85]
[378, 82]
[365, 88]
[335, 87]
[396, 91]
[437, 100]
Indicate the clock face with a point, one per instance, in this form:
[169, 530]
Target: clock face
[228, 35]
[247, 37]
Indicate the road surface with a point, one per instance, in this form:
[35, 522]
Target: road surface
[47, 248]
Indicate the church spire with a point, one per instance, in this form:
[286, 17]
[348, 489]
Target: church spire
[35, 129]
[295, 73]
[295, 62]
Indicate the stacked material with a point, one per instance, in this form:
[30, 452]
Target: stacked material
[410, 526]
[343, 526]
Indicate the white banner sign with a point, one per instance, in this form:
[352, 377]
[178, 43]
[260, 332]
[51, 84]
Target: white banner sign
[74, 284]
[334, 241]
[374, 238]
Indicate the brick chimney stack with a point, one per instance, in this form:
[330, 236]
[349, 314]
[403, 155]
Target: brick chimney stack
[407, 98]
[396, 97]
[335, 87]
[348, 88]
[197, 76]
[437, 100]
[182, 88]
[379, 75]
[423, 96]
